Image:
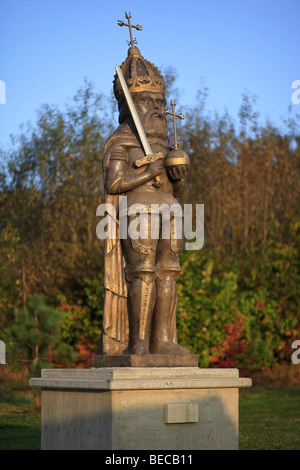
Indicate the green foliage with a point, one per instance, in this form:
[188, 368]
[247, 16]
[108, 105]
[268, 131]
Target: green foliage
[210, 319]
[241, 314]
[35, 336]
[10, 285]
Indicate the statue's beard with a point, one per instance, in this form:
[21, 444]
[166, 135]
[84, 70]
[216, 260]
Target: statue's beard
[154, 125]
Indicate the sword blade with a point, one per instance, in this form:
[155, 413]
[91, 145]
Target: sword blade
[134, 114]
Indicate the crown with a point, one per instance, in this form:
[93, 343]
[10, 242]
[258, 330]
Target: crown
[140, 75]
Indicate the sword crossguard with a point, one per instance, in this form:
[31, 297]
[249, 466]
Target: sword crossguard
[149, 159]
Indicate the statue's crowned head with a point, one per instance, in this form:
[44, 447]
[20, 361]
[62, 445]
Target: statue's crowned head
[140, 75]
[147, 88]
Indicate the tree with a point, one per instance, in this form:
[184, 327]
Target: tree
[35, 336]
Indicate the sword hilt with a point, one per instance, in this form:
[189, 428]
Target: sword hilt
[149, 159]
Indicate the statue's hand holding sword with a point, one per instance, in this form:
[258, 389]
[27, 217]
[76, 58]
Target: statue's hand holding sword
[150, 157]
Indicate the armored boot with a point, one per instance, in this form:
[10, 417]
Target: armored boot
[142, 299]
[162, 339]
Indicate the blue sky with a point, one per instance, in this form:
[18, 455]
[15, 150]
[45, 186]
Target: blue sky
[48, 48]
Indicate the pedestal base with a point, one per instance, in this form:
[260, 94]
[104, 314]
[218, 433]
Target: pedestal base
[140, 409]
[149, 360]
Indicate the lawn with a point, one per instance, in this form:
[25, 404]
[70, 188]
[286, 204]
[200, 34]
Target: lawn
[20, 422]
[269, 419]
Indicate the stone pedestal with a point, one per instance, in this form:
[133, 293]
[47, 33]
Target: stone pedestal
[127, 408]
[145, 361]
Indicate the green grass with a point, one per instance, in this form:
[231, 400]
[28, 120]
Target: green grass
[269, 420]
[20, 422]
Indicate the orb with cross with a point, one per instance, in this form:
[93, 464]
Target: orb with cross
[177, 160]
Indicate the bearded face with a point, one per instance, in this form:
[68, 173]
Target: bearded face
[150, 107]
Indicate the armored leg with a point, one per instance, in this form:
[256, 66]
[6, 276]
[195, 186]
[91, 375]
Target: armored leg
[142, 298]
[163, 336]
[140, 274]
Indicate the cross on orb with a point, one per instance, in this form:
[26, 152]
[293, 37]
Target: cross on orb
[180, 116]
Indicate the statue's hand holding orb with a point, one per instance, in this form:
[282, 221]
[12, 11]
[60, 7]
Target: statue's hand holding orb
[177, 164]
[178, 172]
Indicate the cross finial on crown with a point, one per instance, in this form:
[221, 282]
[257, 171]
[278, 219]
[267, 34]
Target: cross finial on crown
[130, 26]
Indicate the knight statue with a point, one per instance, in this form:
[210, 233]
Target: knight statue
[140, 273]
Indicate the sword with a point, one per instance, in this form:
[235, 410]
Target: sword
[137, 122]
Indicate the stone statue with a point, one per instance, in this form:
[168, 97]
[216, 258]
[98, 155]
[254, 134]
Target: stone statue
[140, 274]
